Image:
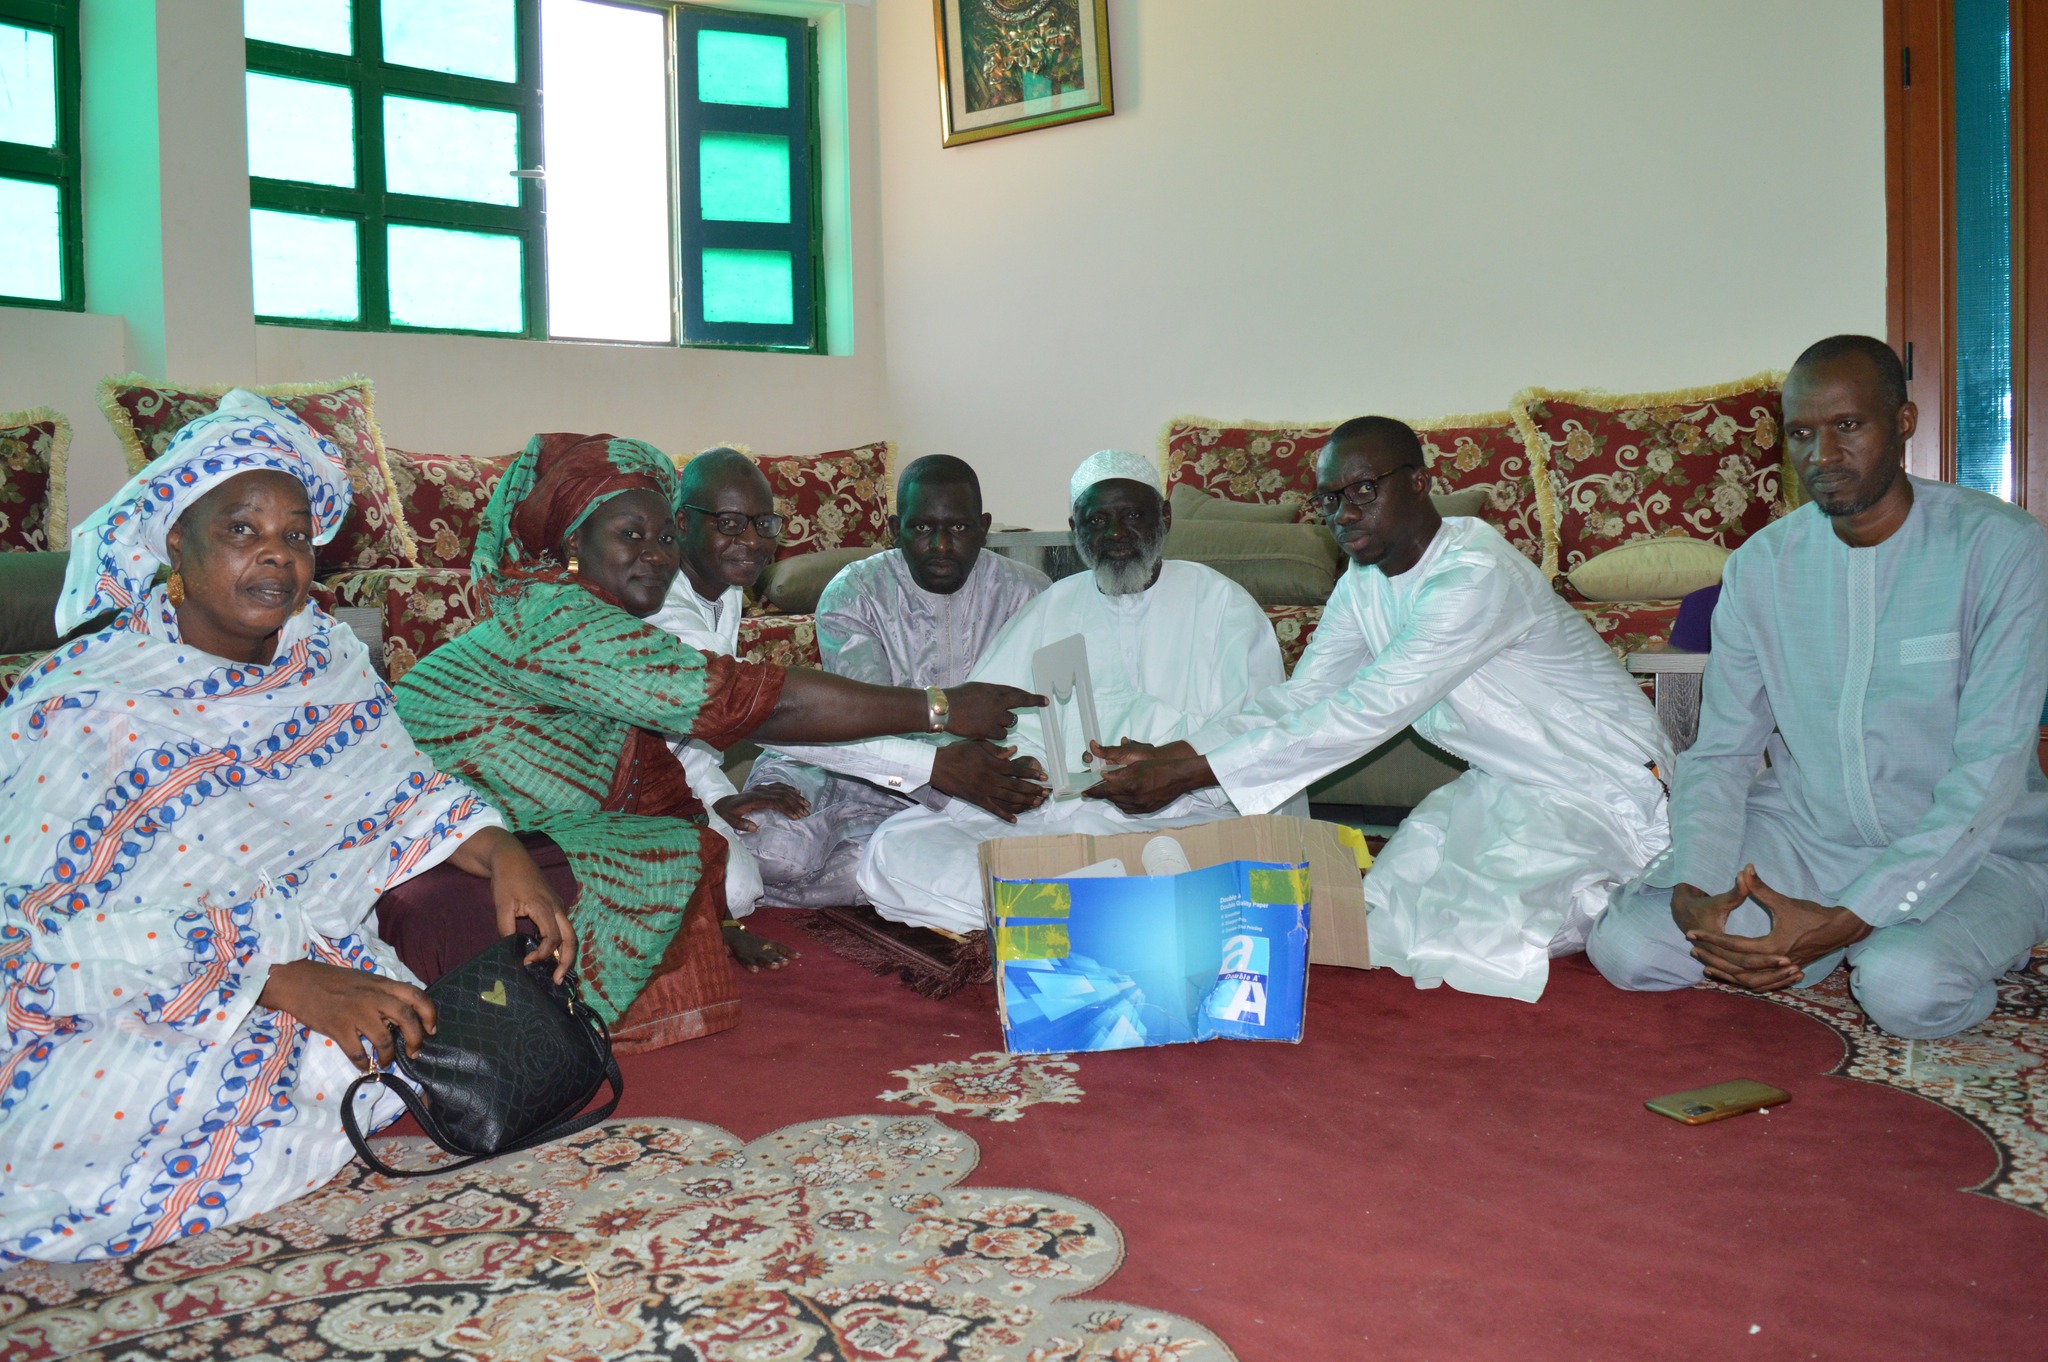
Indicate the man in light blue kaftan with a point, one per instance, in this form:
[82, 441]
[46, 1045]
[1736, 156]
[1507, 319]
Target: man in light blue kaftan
[1885, 649]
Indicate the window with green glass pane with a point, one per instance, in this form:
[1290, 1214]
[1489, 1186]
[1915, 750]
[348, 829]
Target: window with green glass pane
[322, 25]
[743, 177]
[31, 240]
[302, 130]
[28, 86]
[461, 37]
[304, 266]
[41, 251]
[749, 212]
[455, 280]
[434, 133]
[743, 68]
[748, 286]
[450, 151]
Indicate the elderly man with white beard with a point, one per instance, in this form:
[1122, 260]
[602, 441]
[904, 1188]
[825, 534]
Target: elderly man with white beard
[1172, 647]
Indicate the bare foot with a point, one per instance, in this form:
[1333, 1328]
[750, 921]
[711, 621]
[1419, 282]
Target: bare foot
[754, 952]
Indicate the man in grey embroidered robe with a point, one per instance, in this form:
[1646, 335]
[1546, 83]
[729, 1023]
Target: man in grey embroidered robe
[1886, 647]
[917, 615]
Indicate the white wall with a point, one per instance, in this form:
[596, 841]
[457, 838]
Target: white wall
[1301, 209]
[55, 359]
[169, 293]
[1319, 208]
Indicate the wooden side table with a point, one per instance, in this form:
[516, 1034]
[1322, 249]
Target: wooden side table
[1675, 682]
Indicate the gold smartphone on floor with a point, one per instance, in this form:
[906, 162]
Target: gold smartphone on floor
[1701, 1105]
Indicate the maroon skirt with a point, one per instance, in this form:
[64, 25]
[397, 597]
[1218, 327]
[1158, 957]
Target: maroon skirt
[442, 917]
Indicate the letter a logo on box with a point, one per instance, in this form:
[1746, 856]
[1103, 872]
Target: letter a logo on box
[1240, 994]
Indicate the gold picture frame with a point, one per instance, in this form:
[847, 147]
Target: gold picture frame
[1009, 66]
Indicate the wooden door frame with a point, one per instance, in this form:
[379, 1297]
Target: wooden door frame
[2030, 243]
[1920, 221]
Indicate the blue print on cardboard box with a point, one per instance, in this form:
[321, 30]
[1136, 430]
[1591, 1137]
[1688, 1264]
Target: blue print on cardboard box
[1119, 962]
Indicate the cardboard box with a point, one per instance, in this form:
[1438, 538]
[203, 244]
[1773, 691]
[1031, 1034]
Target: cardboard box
[1219, 952]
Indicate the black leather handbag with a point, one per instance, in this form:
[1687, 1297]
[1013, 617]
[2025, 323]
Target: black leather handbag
[513, 1059]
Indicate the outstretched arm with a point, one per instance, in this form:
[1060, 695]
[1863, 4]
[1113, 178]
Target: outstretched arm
[1457, 623]
[819, 707]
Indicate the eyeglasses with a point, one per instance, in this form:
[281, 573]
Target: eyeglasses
[733, 524]
[1362, 493]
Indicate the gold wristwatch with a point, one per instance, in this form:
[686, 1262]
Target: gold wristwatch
[937, 707]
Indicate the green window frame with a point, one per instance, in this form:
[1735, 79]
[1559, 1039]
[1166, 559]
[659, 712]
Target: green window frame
[376, 209]
[56, 165]
[702, 230]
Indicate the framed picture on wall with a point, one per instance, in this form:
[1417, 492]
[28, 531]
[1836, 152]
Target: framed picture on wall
[1014, 65]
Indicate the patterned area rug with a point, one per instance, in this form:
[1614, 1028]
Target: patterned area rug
[1995, 1075]
[639, 1240]
[992, 1084]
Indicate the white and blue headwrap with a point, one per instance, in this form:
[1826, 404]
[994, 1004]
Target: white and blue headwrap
[117, 551]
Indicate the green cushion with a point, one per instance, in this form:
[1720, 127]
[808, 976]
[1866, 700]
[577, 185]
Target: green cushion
[1192, 503]
[1277, 564]
[30, 584]
[1666, 569]
[1469, 502]
[793, 585]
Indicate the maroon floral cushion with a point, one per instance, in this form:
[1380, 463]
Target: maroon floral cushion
[1294, 626]
[783, 640]
[1247, 461]
[1467, 452]
[834, 501]
[1704, 463]
[444, 496]
[147, 415]
[32, 449]
[1630, 626]
[422, 608]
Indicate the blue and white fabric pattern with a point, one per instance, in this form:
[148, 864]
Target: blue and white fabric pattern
[172, 825]
[117, 551]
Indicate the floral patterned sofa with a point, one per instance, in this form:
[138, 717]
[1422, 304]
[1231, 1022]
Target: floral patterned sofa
[33, 518]
[404, 551]
[410, 567]
[834, 500]
[1569, 475]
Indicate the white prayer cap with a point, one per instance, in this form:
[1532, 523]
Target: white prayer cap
[1105, 464]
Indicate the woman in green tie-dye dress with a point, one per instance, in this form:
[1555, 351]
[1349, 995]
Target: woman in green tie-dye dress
[560, 706]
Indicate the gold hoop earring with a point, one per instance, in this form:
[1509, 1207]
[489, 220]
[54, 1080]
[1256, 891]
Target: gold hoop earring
[575, 565]
[175, 589]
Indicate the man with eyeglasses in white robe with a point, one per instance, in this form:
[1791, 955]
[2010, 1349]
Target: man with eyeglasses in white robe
[727, 538]
[1172, 646]
[1443, 626]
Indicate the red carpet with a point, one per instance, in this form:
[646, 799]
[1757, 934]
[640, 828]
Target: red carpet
[1431, 1175]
